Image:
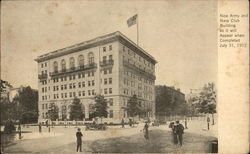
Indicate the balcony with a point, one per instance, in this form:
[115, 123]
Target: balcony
[139, 70]
[107, 62]
[74, 69]
[42, 76]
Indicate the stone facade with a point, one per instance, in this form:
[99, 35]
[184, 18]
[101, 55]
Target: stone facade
[110, 65]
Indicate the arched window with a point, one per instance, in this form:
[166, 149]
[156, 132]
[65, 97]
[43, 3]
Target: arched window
[72, 63]
[91, 58]
[81, 60]
[55, 65]
[63, 65]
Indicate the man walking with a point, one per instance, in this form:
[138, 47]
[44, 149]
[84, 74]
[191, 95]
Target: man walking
[208, 121]
[186, 124]
[179, 131]
[40, 127]
[79, 140]
[173, 126]
[122, 123]
[145, 129]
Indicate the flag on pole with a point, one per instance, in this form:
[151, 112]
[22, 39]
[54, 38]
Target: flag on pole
[131, 21]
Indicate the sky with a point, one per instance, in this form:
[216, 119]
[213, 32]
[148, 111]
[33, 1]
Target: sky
[181, 35]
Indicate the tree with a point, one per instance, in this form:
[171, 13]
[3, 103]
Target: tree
[53, 112]
[207, 100]
[76, 110]
[100, 107]
[133, 107]
[27, 105]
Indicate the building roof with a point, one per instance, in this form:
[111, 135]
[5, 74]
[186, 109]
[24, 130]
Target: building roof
[96, 42]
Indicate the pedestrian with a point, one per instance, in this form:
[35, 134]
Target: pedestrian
[145, 129]
[79, 140]
[19, 131]
[172, 125]
[130, 122]
[186, 124]
[40, 127]
[208, 121]
[122, 123]
[179, 131]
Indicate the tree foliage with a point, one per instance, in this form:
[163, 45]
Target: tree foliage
[100, 107]
[133, 107]
[24, 106]
[206, 100]
[53, 112]
[76, 112]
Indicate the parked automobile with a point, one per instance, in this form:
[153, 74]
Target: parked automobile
[94, 126]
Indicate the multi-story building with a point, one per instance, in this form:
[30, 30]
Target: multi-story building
[111, 65]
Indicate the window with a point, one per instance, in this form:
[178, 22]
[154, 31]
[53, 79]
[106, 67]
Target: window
[83, 75]
[55, 66]
[46, 106]
[105, 81]
[105, 91]
[79, 75]
[91, 58]
[110, 80]
[89, 74]
[104, 49]
[42, 106]
[61, 87]
[83, 93]
[79, 85]
[74, 85]
[111, 102]
[65, 86]
[63, 65]
[93, 82]
[41, 65]
[92, 73]
[65, 95]
[81, 60]
[70, 86]
[110, 47]
[79, 94]
[83, 84]
[110, 90]
[110, 57]
[61, 95]
[110, 113]
[89, 83]
[104, 59]
[105, 71]
[74, 94]
[89, 92]
[110, 70]
[72, 63]
[93, 92]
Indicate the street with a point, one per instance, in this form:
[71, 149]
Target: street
[115, 139]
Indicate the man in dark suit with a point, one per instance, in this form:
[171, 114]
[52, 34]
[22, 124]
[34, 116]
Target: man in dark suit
[79, 140]
[179, 131]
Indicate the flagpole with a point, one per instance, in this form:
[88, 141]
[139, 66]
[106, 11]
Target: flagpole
[137, 23]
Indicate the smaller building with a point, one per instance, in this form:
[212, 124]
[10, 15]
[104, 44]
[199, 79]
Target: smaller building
[170, 101]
